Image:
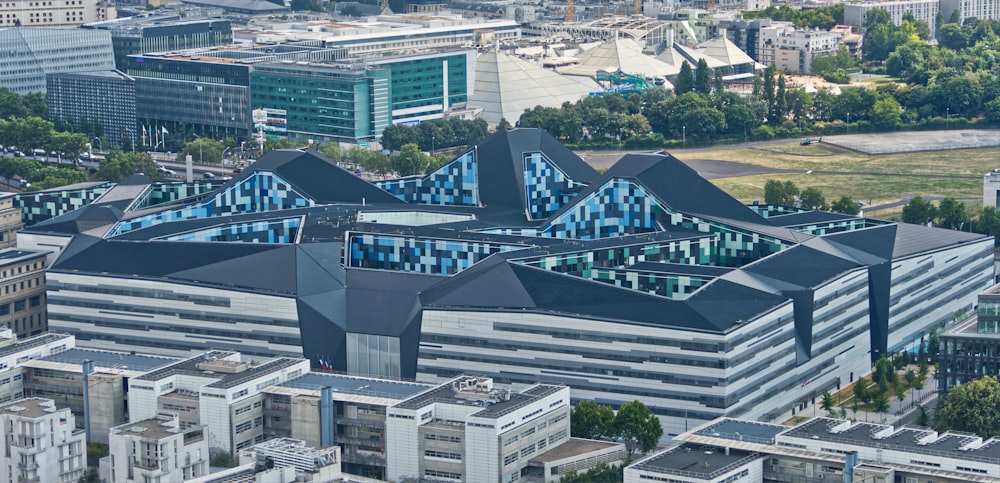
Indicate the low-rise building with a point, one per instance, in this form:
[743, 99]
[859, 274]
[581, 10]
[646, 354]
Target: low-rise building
[217, 389]
[156, 449]
[22, 291]
[40, 443]
[820, 449]
[465, 430]
[789, 48]
[355, 419]
[285, 460]
[971, 349]
[60, 376]
[10, 220]
[14, 353]
[29, 13]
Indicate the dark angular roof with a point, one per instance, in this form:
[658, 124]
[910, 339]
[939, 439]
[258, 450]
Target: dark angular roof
[802, 266]
[319, 178]
[378, 301]
[680, 187]
[915, 239]
[807, 217]
[501, 167]
[680, 269]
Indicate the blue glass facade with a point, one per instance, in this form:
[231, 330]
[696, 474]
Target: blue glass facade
[617, 208]
[546, 187]
[261, 192]
[456, 183]
[267, 231]
[419, 255]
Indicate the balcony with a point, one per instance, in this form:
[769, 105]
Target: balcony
[27, 466]
[361, 457]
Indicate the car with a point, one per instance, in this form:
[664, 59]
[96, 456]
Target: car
[207, 175]
[24, 183]
[237, 170]
[227, 178]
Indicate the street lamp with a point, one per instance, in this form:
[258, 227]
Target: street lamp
[684, 136]
[848, 126]
[432, 145]
[201, 157]
[947, 118]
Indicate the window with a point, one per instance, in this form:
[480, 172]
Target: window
[443, 455]
[527, 451]
[18, 305]
[510, 458]
[35, 301]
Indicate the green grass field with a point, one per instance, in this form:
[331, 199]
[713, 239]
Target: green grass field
[858, 176]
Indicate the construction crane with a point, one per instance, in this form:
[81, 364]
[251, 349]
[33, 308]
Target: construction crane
[570, 11]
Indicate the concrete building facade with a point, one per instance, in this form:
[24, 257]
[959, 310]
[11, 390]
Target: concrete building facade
[788, 48]
[22, 291]
[60, 13]
[41, 443]
[157, 449]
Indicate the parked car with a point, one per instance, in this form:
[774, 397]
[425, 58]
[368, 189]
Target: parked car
[207, 175]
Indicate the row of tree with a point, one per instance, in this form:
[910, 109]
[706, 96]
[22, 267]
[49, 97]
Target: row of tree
[787, 194]
[435, 134]
[30, 133]
[634, 424]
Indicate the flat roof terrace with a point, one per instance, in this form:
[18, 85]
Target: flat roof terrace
[697, 461]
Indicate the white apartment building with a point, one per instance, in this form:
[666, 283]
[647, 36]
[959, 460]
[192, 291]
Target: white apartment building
[981, 9]
[156, 449]
[14, 353]
[789, 48]
[926, 10]
[54, 13]
[218, 390]
[465, 430]
[41, 443]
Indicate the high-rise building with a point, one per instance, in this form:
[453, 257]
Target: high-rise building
[40, 443]
[926, 10]
[981, 9]
[28, 13]
[35, 52]
[105, 98]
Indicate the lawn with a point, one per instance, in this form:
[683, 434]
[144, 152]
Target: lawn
[838, 172]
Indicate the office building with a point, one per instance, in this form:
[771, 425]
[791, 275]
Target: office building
[41, 443]
[926, 10]
[355, 421]
[285, 459]
[61, 376]
[350, 102]
[10, 220]
[991, 188]
[981, 9]
[105, 98]
[970, 349]
[465, 430]
[217, 390]
[163, 33]
[157, 449]
[14, 353]
[60, 14]
[819, 449]
[35, 52]
[22, 291]
[516, 261]
[788, 48]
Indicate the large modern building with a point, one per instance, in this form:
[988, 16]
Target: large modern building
[354, 100]
[819, 449]
[926, 10]
[981, 9]
[105, 98]
[31, 53]
[519, 262]
[970, 349]
[163, 33]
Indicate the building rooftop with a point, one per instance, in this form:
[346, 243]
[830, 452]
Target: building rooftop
[697, 461]
[153, 428]
[106, 359]
[32, 342]
[477, 391]
[911, 440]
[10, 256]
[203, 366]
[573, 447]
[739, 430]
[360, 386]
[31, 407]
[968, 328]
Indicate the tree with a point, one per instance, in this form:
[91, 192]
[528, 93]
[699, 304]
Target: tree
[846, 206]
[203, 151]
[812, 199]
[685, 80]
[718, 83]
[778, 193]
[602, 473]
[827, 402]
[590, 420]
[118, 166]
[330, 150]
[919, 211]
[409, 161]
[90, 476]
[637, 427]
[973, 407]
[933, 343]
[861, 392]
[952, 213]
[886, 113]
[953, 36]
[880, 404]
[703, 77]
[922, 419]
[989, 221]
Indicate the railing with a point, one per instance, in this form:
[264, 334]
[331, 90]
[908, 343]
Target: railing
[351, 455]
